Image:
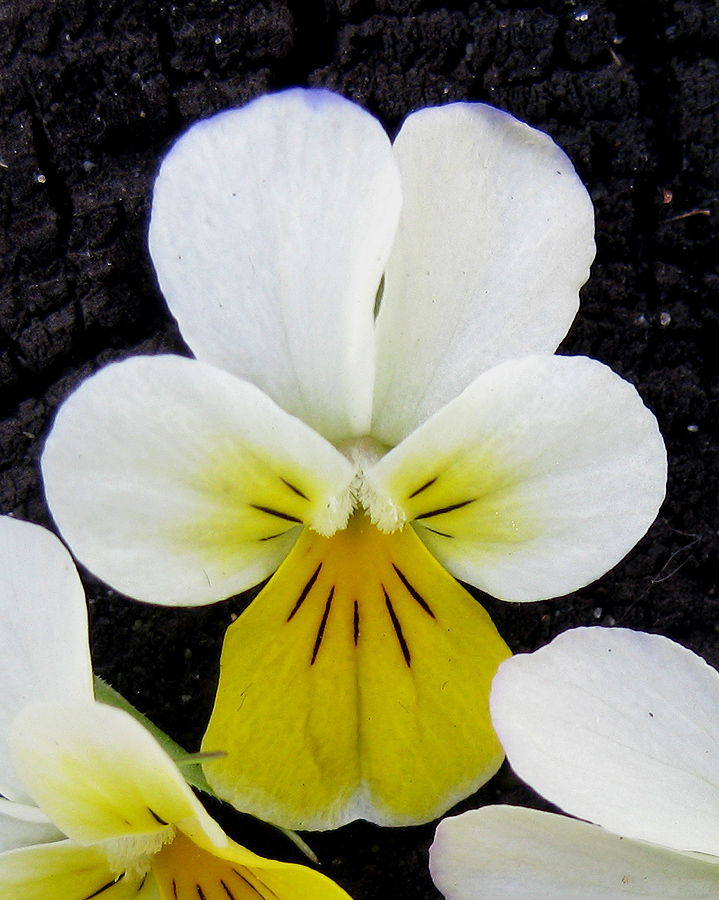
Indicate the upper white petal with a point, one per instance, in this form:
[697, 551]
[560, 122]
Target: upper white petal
[161, 473]
[494, 242]
[512, 853]
[533, 482]
[618, 727]
[271, 227]
[44, 650]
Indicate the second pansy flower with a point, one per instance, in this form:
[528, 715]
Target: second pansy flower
[373, 409]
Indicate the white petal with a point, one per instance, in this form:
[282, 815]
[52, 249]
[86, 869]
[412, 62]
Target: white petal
[99, 775]
[180, 484]
[44, 650]
[271, 227]
[23, 826]
[511, 853]
[535, 481]
[495, 240]
[618, 727]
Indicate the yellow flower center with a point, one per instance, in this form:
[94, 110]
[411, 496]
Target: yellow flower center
[363, 453]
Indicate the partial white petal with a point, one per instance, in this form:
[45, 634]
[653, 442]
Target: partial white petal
[44, 650]
[618, 727]
[535, 481]
[495, 240]
[512, 853]
[99, 775]
[180, 484]
[23, 826]
[271, 227]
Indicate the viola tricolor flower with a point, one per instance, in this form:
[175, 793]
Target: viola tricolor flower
[374, 410]
[619, 728]
[91, 805]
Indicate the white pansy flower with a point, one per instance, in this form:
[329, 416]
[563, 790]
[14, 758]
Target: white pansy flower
[619, 728]
[373, 411]
[91, 805]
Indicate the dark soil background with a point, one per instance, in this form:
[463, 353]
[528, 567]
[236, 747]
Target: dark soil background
[92, 94]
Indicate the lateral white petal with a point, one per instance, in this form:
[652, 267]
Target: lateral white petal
[99, 775]
[44, 650]
[618, 727]
[23, 826]
[512, 853]
[533, 482]
[496, 238]
[179, 484]
[271, 227]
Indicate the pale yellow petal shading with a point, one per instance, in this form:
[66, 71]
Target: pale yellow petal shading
[535, 480]
[355, 686]
[101, 776]
[179, 484]
[65, 871]
[183, 870]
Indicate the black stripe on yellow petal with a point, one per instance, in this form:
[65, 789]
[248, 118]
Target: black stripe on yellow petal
[294, 489]
[323, 625]
[356, 622]
[305, 591]
[412, 592]
[251, 879]
[444, 509]
[278, 514]
[397, 629]
[440, 533]
[277, 534]
[105, 887]
[424, 487]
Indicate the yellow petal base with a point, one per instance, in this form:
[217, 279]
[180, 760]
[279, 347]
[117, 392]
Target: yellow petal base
[184, 871]
[356, 685]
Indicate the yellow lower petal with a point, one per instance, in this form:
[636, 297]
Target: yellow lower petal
[356, 685]
[184, 871]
